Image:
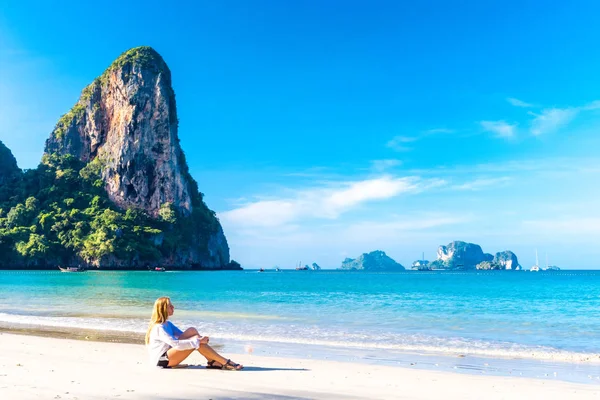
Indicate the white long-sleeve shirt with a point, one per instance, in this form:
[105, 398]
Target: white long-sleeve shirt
[165, 336]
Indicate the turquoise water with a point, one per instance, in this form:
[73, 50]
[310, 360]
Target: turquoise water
[551, 316]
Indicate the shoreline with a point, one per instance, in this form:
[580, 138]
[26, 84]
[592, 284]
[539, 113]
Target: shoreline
[43, 367]
[458, 364]
[54, 268]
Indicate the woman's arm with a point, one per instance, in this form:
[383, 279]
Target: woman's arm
[176, 331]
[172, 341]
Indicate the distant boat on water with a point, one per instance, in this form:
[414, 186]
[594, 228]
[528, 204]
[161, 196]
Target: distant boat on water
[72, 269]
[536, 267]
[157, 269]
[301, 268]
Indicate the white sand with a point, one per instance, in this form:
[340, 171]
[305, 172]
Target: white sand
[46, 368]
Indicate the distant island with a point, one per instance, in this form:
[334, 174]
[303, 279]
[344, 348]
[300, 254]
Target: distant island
[459, 255]
[113, 189]
[373, 261]
[456, 255]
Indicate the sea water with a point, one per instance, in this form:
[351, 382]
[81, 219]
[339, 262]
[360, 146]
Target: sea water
[545, 324]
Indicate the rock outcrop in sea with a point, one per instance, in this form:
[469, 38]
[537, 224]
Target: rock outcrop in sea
[460, 255]
[464, 256]
[507, 260]
[126, 124]
[373, 261]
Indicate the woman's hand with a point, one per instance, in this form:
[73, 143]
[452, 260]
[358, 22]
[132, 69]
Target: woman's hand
[204, 340]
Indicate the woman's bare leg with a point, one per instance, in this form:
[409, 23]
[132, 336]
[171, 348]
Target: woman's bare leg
[211, 354]
[177, 356]
[208, 352]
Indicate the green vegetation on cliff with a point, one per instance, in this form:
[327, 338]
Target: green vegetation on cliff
[59, 213]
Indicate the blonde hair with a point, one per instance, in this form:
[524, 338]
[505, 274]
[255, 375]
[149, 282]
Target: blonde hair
[160, 314]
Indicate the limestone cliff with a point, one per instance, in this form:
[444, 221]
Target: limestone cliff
[460, 255]
[508, 260]
[373, 261]
[8, 165]
[126, 123]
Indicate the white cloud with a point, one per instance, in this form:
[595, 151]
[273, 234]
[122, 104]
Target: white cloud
[594, 105]
[322, 203]
[438, 130]
[398, 143]
[383, 165]
[518, 103]
[404, 224]
[499, 128]
[479, 184]
[552, 119]
[564, 226]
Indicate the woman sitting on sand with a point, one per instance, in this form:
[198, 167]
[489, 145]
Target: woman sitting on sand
[168, 346]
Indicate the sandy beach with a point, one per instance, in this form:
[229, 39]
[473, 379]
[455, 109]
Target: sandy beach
[34, 367]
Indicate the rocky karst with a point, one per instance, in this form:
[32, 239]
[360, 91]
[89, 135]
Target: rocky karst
[124, 131]
[126, 120]
[507, 260]
[373, 261]
[460, 255]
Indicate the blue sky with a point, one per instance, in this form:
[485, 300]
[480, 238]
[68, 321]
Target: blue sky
[322, 129]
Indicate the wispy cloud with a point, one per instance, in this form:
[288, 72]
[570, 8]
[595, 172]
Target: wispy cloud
[323, 202]
[552, 119]
[407, 223]
[500, 128]
[479, 184]
[437, 131]
[399, 143]
[519, 103]
[548, 120]
[565, 226]
[594, 105]
[407, 227]
[384, 165]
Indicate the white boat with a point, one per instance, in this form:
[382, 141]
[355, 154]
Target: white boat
[72, 269]
[536, 267]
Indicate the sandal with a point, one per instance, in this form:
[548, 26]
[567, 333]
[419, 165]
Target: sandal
[231, 366]
[211, 365]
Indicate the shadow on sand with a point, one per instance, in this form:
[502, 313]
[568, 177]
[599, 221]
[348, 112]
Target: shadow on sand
[246, 369]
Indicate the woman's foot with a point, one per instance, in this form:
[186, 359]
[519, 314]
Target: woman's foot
[230, 365]
[214, 364]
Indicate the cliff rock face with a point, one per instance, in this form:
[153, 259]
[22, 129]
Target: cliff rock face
[489, 265]
[460, 255]
[374, 261]
[127, 119]
[126, 122]
[8, 165]
[507, 259]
